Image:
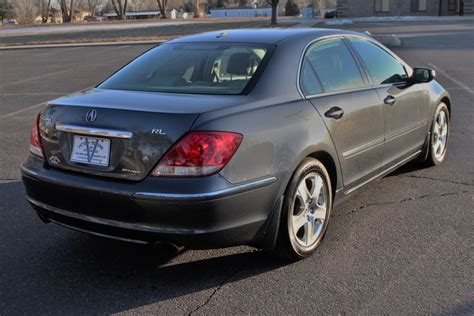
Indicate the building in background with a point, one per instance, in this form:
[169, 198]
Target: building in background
[365, 8]
[135, 15]
[55, 16]
[240, 12]
[79, 15]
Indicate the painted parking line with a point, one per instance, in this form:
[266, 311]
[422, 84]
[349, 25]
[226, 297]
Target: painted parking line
[34, 78]
[440, 34]
[55, 51]
[36, 105]
[33, 94]
[456, 88]
[23, 110]
[451, 78]
[80, 45]
[106, 50]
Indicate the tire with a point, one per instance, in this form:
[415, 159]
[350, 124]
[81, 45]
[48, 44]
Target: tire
[439, 136]
[304, 224]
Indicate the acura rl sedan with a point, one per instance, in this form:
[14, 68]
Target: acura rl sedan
[242, 137]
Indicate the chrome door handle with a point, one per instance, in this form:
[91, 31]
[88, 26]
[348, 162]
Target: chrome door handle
[390, 100]
[335, 112]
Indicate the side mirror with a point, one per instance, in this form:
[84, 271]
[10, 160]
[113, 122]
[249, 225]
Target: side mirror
[423, 75]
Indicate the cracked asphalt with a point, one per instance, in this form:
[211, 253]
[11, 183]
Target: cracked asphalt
[402, 245]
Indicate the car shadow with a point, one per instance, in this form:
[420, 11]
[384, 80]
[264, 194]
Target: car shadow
[408, 168]
[49, 269]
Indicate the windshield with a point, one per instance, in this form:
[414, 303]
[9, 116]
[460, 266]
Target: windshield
[204, 68]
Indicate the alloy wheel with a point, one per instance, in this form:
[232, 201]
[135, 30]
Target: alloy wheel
[309, 209]
[440, 135]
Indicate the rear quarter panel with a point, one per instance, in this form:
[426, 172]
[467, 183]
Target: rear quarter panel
[276, 139]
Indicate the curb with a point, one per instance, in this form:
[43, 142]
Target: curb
[390, 40]
[81, 44]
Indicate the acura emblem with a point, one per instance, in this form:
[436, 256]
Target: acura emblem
[91, 115]
[54, 160]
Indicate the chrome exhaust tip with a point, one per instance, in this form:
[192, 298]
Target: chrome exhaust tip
[167, 247]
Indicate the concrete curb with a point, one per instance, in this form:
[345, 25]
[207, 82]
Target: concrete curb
[80, 44]
[390, 40]
[410, 19]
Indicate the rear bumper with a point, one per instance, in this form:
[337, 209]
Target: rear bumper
[199, 213]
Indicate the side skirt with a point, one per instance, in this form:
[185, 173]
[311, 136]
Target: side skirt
[341, 195]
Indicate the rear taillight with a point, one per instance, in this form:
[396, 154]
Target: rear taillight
[198, 154]
[35, 140]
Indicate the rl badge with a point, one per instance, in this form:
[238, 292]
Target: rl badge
[91, 150]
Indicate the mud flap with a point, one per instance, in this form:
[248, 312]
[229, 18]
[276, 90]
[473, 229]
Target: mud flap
[426, 148]
[267, 236]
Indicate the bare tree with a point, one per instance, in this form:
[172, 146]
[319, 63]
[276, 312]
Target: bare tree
[6, 10]
[93, 6]
[25, 11]
[44, 7]
[120, 8]
[321, 5]
[139, 5]
[66, 11]
[274, 4]
[162, 7]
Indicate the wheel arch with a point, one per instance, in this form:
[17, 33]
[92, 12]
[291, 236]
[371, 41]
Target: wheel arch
[446, 100]
[328, 162]
[327, 155]
[274, 233]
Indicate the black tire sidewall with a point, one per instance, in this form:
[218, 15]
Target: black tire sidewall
[432, 157]
[286, 236]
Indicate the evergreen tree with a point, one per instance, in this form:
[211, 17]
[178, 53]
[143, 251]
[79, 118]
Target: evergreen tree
[291, 8]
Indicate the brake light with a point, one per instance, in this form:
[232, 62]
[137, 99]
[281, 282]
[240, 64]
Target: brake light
[198, 154]
[35, 140]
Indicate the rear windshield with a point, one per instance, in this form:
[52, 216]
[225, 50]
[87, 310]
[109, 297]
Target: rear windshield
[192, 68]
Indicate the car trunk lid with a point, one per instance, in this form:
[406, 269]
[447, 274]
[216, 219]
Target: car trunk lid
[119, 134]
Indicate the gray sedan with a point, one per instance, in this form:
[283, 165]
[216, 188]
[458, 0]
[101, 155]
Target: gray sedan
[236, 137]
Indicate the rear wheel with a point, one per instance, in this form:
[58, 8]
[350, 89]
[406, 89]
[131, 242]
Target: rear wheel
[438, 145]
[306, 211]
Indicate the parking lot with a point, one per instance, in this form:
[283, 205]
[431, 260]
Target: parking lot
[403, 244]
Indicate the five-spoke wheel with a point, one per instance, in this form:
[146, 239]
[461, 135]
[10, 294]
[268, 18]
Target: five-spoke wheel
[309, 209]
[306, 210]
[439, 135]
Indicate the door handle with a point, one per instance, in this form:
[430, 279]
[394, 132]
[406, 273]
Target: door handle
[335, 112]
[390, 100]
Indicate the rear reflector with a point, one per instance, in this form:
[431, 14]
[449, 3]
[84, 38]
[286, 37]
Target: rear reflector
[35, 140]
[198, 154]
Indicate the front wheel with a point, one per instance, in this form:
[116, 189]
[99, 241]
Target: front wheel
[438, 145]
[306, 211]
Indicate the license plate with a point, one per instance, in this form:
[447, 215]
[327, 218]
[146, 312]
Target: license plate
[91, 150]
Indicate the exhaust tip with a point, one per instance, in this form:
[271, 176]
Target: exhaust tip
[168, 248]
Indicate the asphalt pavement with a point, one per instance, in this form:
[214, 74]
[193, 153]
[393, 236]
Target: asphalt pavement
[402, 245]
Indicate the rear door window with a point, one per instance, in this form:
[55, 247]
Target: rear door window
[309, 81]
[333, 66]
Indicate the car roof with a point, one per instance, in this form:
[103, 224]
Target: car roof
[260, 36]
